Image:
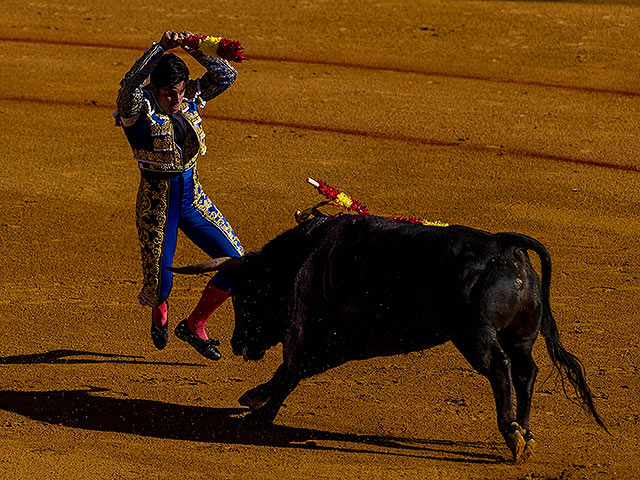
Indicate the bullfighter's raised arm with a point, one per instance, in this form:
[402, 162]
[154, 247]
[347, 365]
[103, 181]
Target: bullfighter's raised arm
[130, 102]
[220, 76]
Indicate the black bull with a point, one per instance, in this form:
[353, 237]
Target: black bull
[346, 288]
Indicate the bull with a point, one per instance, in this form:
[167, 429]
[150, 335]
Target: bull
[335, 289]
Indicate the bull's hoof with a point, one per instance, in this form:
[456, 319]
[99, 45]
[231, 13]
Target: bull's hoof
[251, 401]
[516, 442]
[529, 449]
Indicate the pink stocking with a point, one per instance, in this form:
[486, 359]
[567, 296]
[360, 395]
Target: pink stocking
[160, 315]
[212, 297]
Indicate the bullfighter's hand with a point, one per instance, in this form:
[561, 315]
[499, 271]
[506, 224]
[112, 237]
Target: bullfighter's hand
[184, 35]
[170, 39]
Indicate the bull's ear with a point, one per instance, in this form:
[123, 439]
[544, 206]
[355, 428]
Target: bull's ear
[221, 263]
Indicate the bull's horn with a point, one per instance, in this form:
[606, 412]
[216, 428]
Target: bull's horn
[221, 263]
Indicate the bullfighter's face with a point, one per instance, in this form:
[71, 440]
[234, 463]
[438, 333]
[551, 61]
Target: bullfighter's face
[170, 98]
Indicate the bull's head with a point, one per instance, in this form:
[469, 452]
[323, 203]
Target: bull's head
[258, 324]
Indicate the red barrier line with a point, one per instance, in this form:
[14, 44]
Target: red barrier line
[434, 143]
[361, 133]
[456, 76]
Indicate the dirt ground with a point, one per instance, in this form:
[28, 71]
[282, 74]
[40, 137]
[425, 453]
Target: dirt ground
[501, 115]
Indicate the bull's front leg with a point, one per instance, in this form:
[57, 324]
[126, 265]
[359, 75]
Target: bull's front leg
[297, 363]
[283, 383]
[258, 396]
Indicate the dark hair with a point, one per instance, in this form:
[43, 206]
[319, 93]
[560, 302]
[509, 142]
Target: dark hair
[169, 71]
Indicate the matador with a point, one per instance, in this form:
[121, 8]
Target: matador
[162, 123]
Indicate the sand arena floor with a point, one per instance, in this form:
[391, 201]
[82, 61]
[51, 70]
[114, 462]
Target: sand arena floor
[501, 115]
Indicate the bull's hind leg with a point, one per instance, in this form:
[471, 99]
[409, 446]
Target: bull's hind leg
[523, 373]
[483, 351]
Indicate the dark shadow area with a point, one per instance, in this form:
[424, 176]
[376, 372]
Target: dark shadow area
[60, 357]
[90, 410]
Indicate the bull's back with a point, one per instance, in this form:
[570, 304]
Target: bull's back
[378, 286]
[388, 288]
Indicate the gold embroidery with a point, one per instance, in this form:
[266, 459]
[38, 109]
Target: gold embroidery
[166, 156]
[208, 210]
[130, 101]
[151, 219]
[191, 163]
[168, 161]
[196, 122]
[159, 128]
[163, 143]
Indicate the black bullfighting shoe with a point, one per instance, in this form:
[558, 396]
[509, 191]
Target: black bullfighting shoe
[206, 348]
[160, 335]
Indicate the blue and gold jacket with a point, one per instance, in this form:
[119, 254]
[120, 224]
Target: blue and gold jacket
[150, 131]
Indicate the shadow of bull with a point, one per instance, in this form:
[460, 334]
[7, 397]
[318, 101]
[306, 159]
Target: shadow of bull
[91, 409]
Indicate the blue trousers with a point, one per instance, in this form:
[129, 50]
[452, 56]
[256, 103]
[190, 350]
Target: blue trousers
[165, 205]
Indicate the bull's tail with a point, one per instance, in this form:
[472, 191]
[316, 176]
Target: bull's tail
[569, 366]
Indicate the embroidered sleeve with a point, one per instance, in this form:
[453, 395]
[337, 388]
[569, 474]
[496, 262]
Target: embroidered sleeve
[220, 75]
[130, 102]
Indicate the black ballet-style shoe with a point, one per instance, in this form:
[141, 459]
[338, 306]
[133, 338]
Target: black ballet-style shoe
[160, 335]
[206, 348]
